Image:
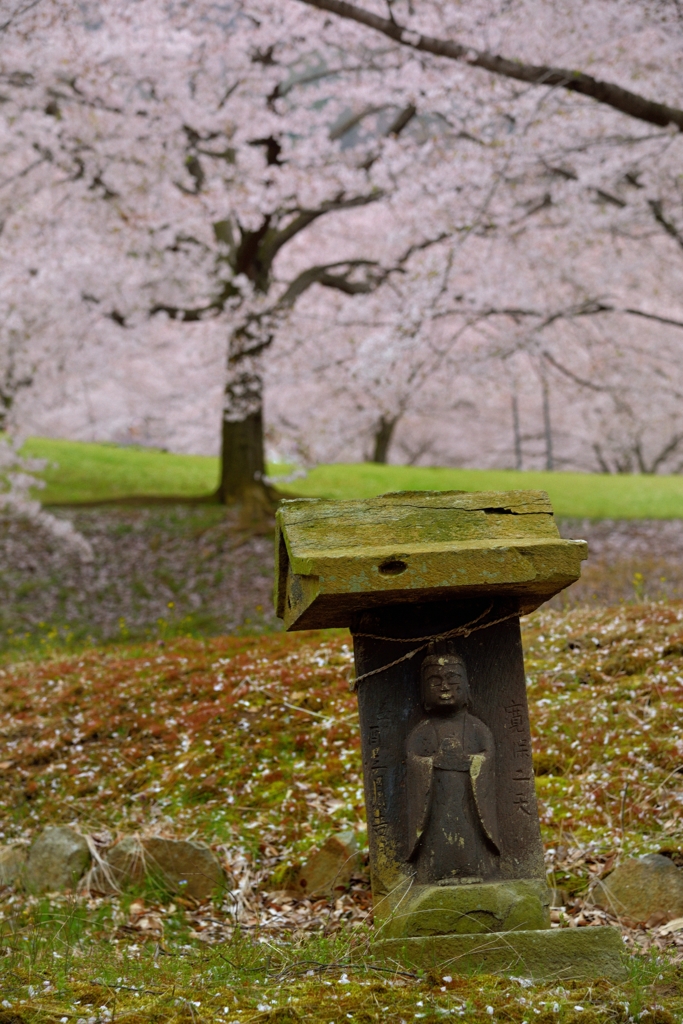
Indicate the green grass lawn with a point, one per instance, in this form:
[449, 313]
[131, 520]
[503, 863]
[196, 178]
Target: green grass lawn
[81, 472]
[589, 495]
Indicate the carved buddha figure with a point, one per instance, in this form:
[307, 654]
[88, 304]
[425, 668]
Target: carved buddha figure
[452, 820]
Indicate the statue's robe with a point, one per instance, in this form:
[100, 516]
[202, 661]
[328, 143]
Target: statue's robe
[452, 817]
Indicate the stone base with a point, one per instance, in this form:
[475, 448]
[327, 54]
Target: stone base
[548, 955]
[504, 906]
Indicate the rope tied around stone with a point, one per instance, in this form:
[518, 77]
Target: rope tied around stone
[465, 630]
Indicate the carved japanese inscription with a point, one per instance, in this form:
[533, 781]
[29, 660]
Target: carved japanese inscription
[451, 780]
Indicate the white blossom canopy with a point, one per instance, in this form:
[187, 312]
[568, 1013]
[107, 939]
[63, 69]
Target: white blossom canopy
[423, 236]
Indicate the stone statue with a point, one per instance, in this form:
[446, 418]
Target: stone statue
[452, 818]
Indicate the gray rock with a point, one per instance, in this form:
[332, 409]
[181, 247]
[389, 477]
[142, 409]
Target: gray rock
[649, 887]
[123, 867]
[328, 871]
[183, 867]
[12, 861]
[56, 860]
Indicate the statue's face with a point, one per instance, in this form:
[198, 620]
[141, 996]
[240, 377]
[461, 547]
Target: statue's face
[445, 686]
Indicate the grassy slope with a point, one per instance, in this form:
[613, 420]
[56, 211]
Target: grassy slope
[257, 714]
[92, 472]
[254, 742]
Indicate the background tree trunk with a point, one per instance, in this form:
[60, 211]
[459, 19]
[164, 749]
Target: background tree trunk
[383, 438]
[547, 427]
[517, 432]
[242, 457]
[242, 465]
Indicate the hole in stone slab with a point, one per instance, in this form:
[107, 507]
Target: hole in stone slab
[393, 567]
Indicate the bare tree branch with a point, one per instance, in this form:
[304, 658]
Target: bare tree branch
[649, 316]
[403, 118]
[660, 459]
[668, 225]
[22, 8]
[589, 308]
[26, 170]
[606, 93]
[273, 240]
[315, 75]
[322, 275]
[573, 376]
[352, 120]
[421, 246]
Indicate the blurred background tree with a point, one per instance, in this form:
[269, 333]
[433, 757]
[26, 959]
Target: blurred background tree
[420, 250]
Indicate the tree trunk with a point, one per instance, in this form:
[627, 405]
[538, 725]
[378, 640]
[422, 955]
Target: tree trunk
[242, 465]
[517, 432]
[547, 428]
[242, 458]
[383, 438]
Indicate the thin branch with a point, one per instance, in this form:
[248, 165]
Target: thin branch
[589, 308]
[22, 9]
[274, 243]
[26, 170]
[402, 119]
[573, 376]
[648, 316]
[668, 225]
[315, 75]
[228, 93]
[421, 246]
[321, 275]
[352, 120]
[606, 93]
[664, 454]
[79, 97]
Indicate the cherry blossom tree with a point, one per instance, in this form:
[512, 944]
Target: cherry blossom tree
[173, 168]
[228, 174]
[587, 374]
[589, 176]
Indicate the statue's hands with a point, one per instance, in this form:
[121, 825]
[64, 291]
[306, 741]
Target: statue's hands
[451, 756]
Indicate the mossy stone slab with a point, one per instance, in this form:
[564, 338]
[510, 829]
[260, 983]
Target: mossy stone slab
[518, 905]
[336, 558]
[549, 955]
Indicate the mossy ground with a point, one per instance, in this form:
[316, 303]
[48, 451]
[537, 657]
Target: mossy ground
[79, 978]
[252, 743]
[61, 964]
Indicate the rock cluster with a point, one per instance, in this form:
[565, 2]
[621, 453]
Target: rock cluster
[61, 858]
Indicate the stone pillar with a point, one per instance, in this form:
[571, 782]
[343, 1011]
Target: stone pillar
[390, 708]
[432, 586]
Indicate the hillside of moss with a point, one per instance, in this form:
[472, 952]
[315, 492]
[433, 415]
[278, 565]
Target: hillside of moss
[251, 744]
